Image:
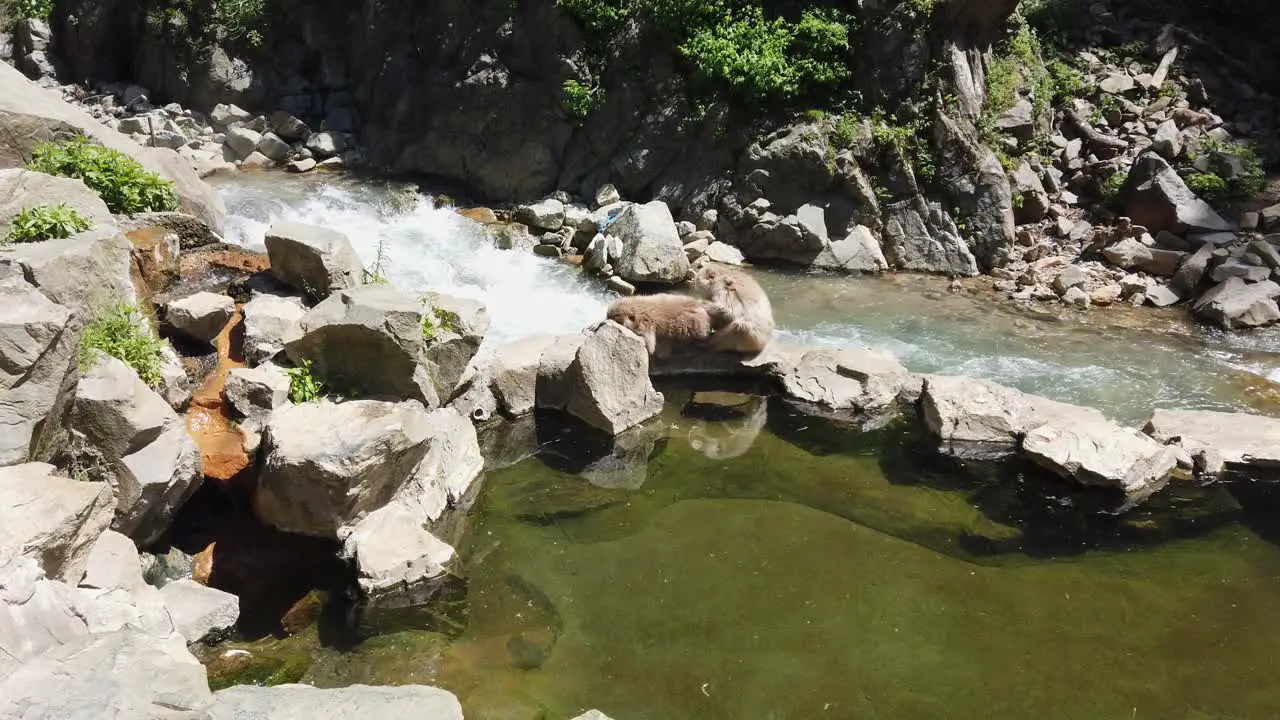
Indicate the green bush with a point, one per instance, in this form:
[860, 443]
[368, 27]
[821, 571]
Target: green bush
[203, 24]
[31, 9]
[846, 131]
[303, 386]
[122, 332]
[580, 99]
[46, 222]
[124, 185]
[1208, 186]
[603, 19]
[1112, 186]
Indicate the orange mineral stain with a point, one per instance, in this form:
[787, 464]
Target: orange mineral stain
[219, 439]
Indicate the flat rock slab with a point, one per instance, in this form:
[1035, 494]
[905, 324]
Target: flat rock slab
[356, 702]
[1101, 454]
[54, 520]
[1236, 441]
[200, 613]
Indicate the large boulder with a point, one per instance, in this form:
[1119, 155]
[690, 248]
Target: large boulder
[200, 613]
[129, 436]
[327, 464]
[859, 251]
[846, 381]
[1235, 304]
[1100, 453]
[609, 380]
[21, 189]
[31, 115]
[315, 260]
[371, 339]
[513, 373]
[1158, 199]
[457, 327]
[269, 322]
[37, 351]
[651, 247]
[304, 702]
[54, 520]
[201, 316]
[84, 273]
[920, 236]
[393, 550]
[1248, 444]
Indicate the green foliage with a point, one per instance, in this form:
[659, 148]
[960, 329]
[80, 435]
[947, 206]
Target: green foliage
[376, 274]
[1065, 81]
[436, 320]
[815, 115]
[601, 18]
[1235, 171]
[581, 99]
[847, 127]
[45, 222]
[203, 24]
[1112, 186]
[919, 9]
[1208, 186]
[304, 387]
[30, 9]
[124, 185]
[908, 140]
[121, 331]
[1106, 105]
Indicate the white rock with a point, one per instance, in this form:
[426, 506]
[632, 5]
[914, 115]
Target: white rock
[200, 613]
[53, 520]
[201, 316]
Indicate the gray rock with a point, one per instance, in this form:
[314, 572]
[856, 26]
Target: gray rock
[651, 247]
[556, 384]
[1072, 276]
[393, 551]
[729, 255]
[1158, 199]
[301, 166]
[1235, 268]
[847, 381]
[272, 146]
[1019, 120]
[1220, 441]
[255, 161]
[1162, 263]
[1076, 296]
[1168, 140]
[788, 239]
[224, 114]
[242, 142]
[1234, 304]
[269, 322]
[113, 564]
[325, 144]
[1161, 295]
[21, 189]
[1116, 84]
[607, 195]
[37, 350]
[1267, 251]
[371, 339]
[545, 215]
[459, 326]
[1034, 203]
[1100, 453]
[201, 316]
[303, 702]
[328, 464]
[138, 444]
[513, 370]
[609, 380]
[859, 251]
[1192, 270]
[200, 614]
[980, 419]
[175, 386]
[254, 393]
[1127, 254]
[167, 139]
[53, 520]
[919, 236]
[83, 273]
[287, 127]
[315, 260]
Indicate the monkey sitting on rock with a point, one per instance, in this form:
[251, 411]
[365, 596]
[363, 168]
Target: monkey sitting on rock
[667, 321]
[750, 326]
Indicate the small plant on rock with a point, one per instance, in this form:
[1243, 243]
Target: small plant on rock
[375, 274]
[122, 332]
[1208, 186]
[304, 387]
[122, 182]
[581, 99]
[45, 222]
[436, 320]
[1113, 185]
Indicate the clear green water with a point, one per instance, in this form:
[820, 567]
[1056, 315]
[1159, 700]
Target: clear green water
[763, 564]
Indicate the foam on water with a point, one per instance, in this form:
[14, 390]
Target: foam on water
[429, 248]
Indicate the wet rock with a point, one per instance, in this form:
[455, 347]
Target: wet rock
[318, 261]
[370, 339]
[53, 520]
[609, 380]
[156, 255]
[200, 614]
[269, 322]
[607, 195]
[1097, 452]
[82, 273]
[324, 145]
[20, 189]
[326, 464]
[1234, 304]
[393, 551]
[301, 166]
[847, 381]
[980, 419]
[545, 215]
[1237, 442]
[457, 328]
[37, 349]
[136, 442]
[192, 232]
[303, 702]
[651, 247]
[857, 252]
[514, 373]
[201, 316]
[1158, 199]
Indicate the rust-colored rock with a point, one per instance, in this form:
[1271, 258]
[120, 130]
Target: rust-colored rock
[155, 258]
[202, 564]
[219, 439]
[481, 215]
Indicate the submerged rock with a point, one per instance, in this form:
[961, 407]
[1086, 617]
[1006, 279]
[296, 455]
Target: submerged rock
[850, 380]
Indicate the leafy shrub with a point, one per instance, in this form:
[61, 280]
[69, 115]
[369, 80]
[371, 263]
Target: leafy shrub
[122, 332]
[1112, 186]
[1209, 186]
[124, 185]
[46, 222]
[846, 131]
[603, 19]
[303, 386]
[581, 99]
[1065, 81]
[31, 9]
[202, 24]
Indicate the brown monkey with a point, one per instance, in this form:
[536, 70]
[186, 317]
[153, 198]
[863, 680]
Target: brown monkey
[750, 316]
[667, 321]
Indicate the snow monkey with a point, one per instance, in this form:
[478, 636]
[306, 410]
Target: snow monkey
[750, 317]
[667, 321]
